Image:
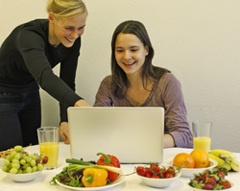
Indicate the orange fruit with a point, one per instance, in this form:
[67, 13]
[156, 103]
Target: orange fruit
[200, 158]
[183, 160]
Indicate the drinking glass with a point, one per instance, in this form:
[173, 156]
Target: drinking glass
[48, 139]
[202, 135]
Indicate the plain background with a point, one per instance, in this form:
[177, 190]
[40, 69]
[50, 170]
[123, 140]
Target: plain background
[198, 40]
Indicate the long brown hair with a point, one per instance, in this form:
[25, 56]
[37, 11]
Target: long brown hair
[119, 78]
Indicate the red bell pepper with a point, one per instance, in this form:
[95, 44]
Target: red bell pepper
[109, 160]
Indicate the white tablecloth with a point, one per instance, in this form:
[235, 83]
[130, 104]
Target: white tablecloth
[131, 182]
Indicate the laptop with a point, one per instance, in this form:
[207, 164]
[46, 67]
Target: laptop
[132, 134]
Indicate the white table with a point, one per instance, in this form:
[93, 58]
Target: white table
[131, 182]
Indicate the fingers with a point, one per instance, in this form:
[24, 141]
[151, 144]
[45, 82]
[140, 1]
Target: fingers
[64, 132]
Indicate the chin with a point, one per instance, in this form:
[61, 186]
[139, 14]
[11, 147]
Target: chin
[68, 45]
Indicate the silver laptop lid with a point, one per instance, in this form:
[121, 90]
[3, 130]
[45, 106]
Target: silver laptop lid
[133, 134]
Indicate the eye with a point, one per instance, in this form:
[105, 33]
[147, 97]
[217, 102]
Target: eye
[134, 50]
[81, 28]
[118, 50]
[69, 28]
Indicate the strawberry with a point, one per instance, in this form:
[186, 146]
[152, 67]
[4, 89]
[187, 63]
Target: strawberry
[222, 173]
[226, 184]
[211, 180]
[197, 179]
[207, 186]
[205, 175]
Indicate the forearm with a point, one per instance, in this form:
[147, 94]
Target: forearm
[169, 141]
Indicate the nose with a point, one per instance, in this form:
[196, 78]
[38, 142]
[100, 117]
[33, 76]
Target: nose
[126, 55]
[76, 33]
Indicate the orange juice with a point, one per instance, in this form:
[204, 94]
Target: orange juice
[203, 143]
[50, 149]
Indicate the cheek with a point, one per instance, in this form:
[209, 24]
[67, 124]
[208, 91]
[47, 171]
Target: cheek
[117, 56]
[65, 32]
[81, 32]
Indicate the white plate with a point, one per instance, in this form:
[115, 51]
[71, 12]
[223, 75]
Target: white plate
[189, 172]
[115, 183]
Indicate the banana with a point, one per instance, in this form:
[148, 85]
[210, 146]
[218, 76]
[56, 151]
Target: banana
[218, 152]
[235, 165]
[227, 166]
[219, 160]
[226, 159]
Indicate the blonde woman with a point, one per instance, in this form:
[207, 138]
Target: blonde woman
[27, 57]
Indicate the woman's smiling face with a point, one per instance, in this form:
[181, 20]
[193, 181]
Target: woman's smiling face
[66, 31]
[130, 53]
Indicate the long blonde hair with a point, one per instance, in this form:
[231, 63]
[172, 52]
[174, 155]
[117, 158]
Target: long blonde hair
[66, 8]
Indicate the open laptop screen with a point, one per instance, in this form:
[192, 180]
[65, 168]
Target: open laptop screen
[133, 134]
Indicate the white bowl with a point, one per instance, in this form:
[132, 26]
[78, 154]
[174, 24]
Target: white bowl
[189, 172]
[23, 177]
[159, 182]
[198, 189]
[1, 162]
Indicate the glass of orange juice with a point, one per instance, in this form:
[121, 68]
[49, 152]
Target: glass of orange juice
[48, 139]
[202, 135]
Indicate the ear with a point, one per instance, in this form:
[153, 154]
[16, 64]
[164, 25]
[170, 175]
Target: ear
[51, 17]
[146, 50]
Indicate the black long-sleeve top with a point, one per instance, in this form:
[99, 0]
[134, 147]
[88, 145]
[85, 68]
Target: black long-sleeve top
[27, 59]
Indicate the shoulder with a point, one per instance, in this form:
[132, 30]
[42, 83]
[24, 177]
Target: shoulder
[37, 27]
[169, 77]
[106, 83]
[107, 79]
[169, 82]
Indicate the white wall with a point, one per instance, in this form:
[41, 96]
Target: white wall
[198, 40]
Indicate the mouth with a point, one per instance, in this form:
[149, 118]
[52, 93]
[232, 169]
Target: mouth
[128, 64]
[70, 40]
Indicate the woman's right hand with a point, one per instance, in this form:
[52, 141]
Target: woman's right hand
[64, 133]
[81, 103]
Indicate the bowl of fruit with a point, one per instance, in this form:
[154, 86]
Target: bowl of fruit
[21, 166]
[211, 180]
[158, 176]
[192, 163]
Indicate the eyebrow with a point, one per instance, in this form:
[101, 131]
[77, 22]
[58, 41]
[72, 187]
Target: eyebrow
[135, 46]
[74, 27]
[82, 27]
